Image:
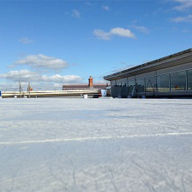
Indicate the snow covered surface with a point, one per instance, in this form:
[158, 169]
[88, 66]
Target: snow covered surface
[57, 144]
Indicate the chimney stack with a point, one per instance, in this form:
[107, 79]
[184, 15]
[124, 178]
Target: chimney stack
[90, 82]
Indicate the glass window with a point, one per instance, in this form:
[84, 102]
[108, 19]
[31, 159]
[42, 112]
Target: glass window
[150, 84]
[178, 81]
[131, 85]
[140, 85]
[190, 79]
[163, 82]
[113, 83]
[124, 82]
[118, 82]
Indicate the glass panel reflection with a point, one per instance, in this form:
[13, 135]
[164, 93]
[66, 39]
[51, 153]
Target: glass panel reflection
[124, 82]
[140, 85]
[113, 83]
[150, 84]
[190, 80]
[163, 82]
[118, 82]
[178, 81]
[131, 85]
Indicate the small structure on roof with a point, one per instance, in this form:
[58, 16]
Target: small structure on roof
[88, 86]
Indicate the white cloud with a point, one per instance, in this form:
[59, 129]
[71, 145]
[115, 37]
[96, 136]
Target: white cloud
[88, 4]
[26, 75]
[122, 32]
[14, 86]
[22, 75]
[5, 86]
[184, 4]
[102, 35]
[106, 8]
[134, 21]
[61, 79]
[42, 61]
[26, 40]
[141, 29]
[76, 13]
[115, 31]
[102, 81]
[182, 19]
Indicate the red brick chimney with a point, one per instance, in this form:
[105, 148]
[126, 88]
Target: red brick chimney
[90, 82]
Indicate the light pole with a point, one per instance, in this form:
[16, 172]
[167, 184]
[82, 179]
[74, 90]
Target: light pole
[20, 88]
[29, 89]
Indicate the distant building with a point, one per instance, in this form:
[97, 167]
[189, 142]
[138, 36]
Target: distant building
[170, 76]
[88, 86]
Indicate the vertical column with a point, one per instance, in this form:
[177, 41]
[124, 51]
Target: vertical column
[90, 82]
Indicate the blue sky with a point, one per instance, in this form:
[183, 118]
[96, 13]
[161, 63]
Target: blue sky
[50, 43]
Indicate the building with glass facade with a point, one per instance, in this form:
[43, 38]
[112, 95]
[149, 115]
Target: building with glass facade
[170, 76]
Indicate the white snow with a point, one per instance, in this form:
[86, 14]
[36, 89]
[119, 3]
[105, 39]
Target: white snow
[57, 144]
